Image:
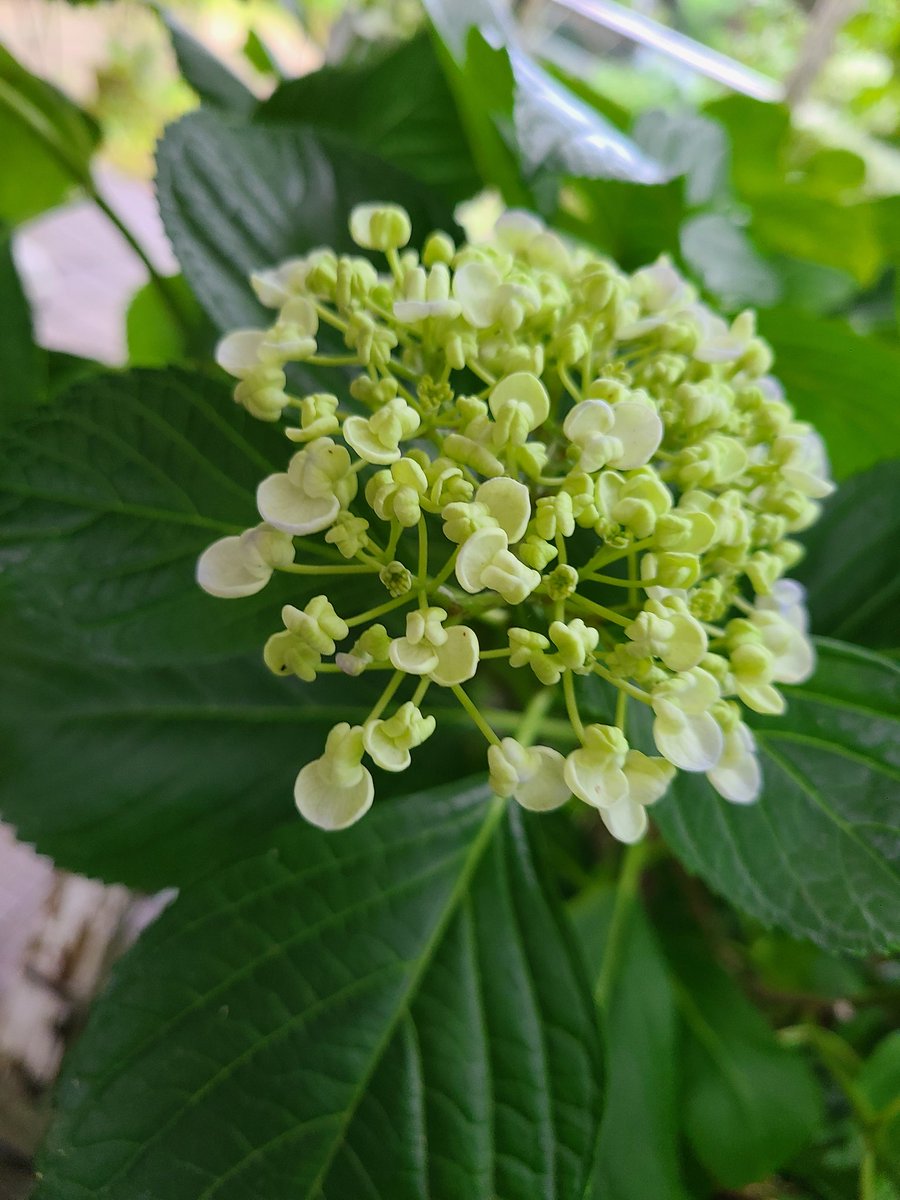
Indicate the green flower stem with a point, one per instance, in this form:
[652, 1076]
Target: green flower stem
[385, 698]
[531, 721]
[633, 580]
[477, 369]
[331, 318]
[380, 610]
[333, 360]
[422, 572]
[607, 613]
[393, 259]
[569, 383]
[396, 530]
[621, 709]
[421, 689]
[445, 572]
[623, 685]
[572, 704]
[505, 720]
[612, 581]
[627, 888]
[601, 560]
[502, 653]
[472, 709]
[303, 569]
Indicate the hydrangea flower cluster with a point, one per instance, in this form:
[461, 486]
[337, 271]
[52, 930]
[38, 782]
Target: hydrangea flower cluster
[551, 469]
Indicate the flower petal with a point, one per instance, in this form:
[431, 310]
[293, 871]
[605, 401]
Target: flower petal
[737, 776]
[457, 658]
[238, 352]
[328, 805]
[509, 503]
[546, 789]
[692, 742]
[225, 569]
[476, 554]
[291, 510]
[639, 428]
[626, 821]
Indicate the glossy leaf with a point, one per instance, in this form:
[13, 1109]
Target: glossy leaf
[238, 198]
[23, 365]
[850, 568]
[819, 854]
[689, 144]
[214, 82]
[396, 1011]
[844, 383]
[47, 142]
[409, 117]
[108, 498]
[638, 1155]
[748, 1104]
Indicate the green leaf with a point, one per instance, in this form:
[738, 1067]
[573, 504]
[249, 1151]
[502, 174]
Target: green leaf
[259, 56]
[879, 1083]
[727, 263]
[638, 1152]
[843, 236]
[843, 383]
[631, 222]
[236, 198]
[155, 338]
[409, 116]
[748, 1104]
[139, 743]
[47, 143]
[819, 853]
[23, 365]
[850, 570]
[395, 1011]
[214, 83]
[109, 496]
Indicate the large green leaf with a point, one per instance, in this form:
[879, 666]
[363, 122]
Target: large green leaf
[638, 1152]
[724, 258]
[214, 83]
[819, 854]
[155, 338]
[47, 142]
[235, 198]
[109, 496]
[409, 117]
[23, 365]
[845, 384]
[749, 1104]
[396, 1011]
[850, 568]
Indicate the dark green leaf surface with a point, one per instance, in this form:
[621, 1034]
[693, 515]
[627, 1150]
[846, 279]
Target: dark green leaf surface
[852, 564]
[23, 365]
[819, 853]
[396, 1011]
[638, 1153]
[749, 1104]
[879, 1083]
[238, 198]
[155, 338]
[845, 384]
[214, 83]
[47, 142]
[408, 118]
[109, 496]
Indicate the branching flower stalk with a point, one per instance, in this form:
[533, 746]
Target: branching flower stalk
[550, 467]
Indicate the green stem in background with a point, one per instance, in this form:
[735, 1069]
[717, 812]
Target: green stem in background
[627, 887]
[599, 609]
[477, 719]
[532, 719]
[43, 129]
[303, 569]
[572, 703]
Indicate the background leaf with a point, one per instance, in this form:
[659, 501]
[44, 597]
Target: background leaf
[749, 1104]
[850, 569]
[408, 118]
[23, 365]
[819, 853]
[843, 383]
[395, 1011]
[214, 83]
[638, 1155]
[47, 142]
[237, 198]
[154, 337]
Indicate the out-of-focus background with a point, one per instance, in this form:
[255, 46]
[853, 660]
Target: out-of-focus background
[834, 62]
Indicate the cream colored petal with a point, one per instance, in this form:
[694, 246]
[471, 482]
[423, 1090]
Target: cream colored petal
[476, 554]
[415, 659]
[545, 789]
[238, 352]
[626, 821]
[737, 776]
[474, 287]
[384, 752]
[226, 570]
[523, 388]
[687, 645]
[595, 784]
[691, 742]
[648, 778]
[457, 658]
[358, 434]
[291, 510]
[330, 806]
[509, 503]
[639, 428]
[587, 418]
